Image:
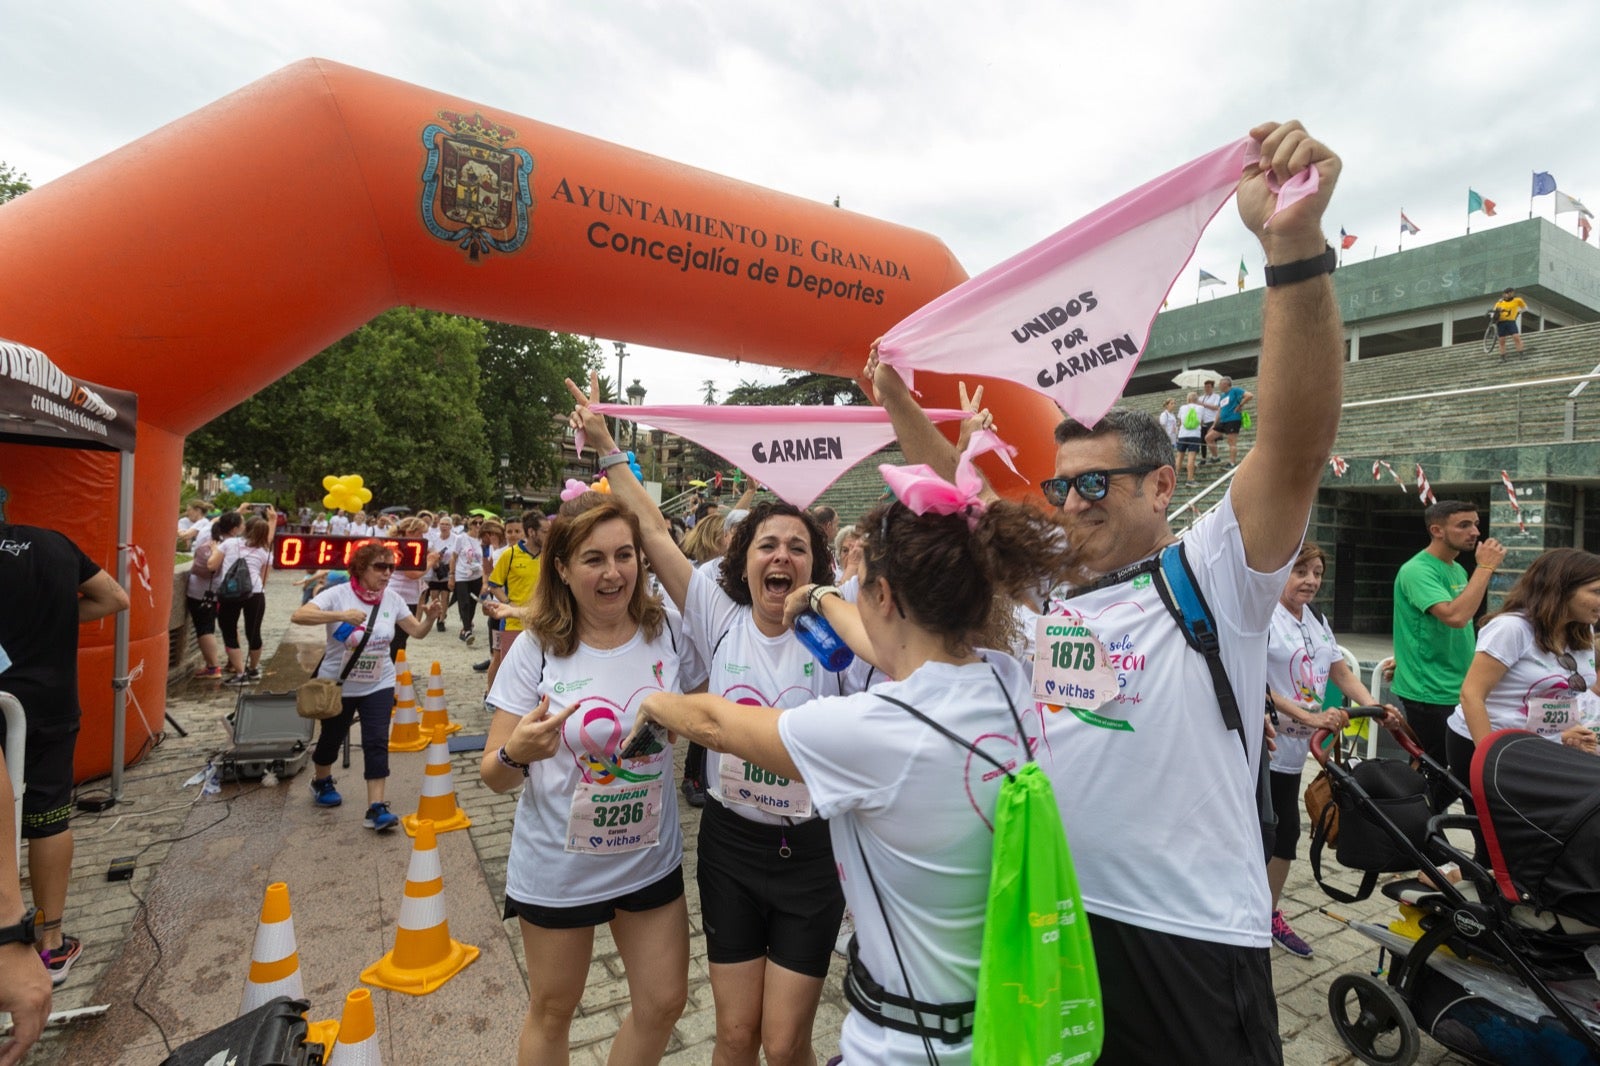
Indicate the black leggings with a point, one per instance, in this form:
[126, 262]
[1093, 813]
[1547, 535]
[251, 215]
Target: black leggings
[466, 597]
[254, 608]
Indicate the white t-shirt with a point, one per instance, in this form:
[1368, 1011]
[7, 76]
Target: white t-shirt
[199, 584]
[1210, 406]
[1300, 651]
[255, 559]
[922, 808]
[360, 529]
[608, 687]
[1184, 432]
[373, 671]
[1169, 422]
[319, 526]
[1159, 796]
[1533, 694]
[748, 667]
[339, 525]
[407, 585]
[468, 557]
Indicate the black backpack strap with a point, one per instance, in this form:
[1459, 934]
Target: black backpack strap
[936, 727]
[1181, 595]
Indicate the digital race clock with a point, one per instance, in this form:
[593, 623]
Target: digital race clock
[311, 551]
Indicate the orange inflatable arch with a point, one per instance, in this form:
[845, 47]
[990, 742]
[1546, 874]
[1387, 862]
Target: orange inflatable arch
[205, 260]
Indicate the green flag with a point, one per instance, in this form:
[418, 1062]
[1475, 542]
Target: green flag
[1242, 273]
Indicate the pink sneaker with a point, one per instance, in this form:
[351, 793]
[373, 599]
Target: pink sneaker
[1287, 939]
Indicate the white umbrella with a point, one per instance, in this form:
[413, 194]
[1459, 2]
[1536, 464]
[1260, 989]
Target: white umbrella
[1193, 379]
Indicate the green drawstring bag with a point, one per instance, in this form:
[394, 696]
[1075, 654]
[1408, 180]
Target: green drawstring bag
[1245, 421]
[1191, 418]
[1038, 990]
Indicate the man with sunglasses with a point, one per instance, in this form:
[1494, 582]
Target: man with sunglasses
[1172, 877]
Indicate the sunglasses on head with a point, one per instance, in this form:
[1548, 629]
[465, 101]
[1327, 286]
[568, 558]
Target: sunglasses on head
[1091, 484]
[1575, 682]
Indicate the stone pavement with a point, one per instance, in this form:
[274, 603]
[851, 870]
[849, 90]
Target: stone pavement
[202, 864]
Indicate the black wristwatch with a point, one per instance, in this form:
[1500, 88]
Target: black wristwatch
[23, 932]
[1302, 269]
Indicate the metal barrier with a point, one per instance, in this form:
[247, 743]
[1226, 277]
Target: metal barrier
[1375, 686]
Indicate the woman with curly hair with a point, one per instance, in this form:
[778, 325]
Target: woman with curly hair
[910, 816]
[769, 887]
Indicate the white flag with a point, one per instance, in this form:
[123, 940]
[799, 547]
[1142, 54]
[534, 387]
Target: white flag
[1565, 203]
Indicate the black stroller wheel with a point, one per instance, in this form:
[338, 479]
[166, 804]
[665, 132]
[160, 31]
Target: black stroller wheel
[1373, 1021]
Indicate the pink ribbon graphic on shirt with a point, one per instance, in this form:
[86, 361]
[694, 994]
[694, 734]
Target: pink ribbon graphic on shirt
[922, 490]
[1070, 316]
[797, 452]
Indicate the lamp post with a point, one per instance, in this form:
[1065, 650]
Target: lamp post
[505, 482]
[636, 393]
[622, 353]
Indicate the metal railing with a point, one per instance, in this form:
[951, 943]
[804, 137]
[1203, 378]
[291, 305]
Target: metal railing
[1194, 501]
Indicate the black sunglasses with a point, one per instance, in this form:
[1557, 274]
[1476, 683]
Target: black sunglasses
[381, 566]
[1091, 484]
[1575, 682]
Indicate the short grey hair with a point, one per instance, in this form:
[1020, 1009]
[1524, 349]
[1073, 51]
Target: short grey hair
[1143, 441]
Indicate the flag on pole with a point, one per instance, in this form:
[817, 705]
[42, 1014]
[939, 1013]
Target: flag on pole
[1476, 202]
[1543, 183]
[1242, 273]
[1408, 226]
[1425, 490]
[1583, 227]
[1346, 240]
[1208, 278]
[1565, 203]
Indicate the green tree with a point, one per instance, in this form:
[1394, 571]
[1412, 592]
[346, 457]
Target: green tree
[798, 387]
[524, 398]
[396, 402]
[710, 391]
[13, 182]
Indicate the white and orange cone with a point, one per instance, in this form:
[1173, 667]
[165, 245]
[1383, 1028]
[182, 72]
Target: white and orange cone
[424, 956]
[358, 1033]
[437, 804]
[434, 711]
[274, 960]
[405, 734]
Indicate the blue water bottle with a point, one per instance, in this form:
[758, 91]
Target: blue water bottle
[820, 639]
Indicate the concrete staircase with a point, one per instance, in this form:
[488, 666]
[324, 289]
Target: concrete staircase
[1498, 416]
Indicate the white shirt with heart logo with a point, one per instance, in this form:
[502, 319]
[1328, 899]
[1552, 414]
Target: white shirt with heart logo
[922, 808]
[545, 867]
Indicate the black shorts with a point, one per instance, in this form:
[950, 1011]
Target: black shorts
[1286, 805]
[1506, 329]
[756, 904]
[1162, 992]
[438, 586]
[1231, 427]
[203, 613]
[47, 773]
[588, 915]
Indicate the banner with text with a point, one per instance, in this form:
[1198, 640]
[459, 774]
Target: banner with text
[797, 452]
[1070, 316]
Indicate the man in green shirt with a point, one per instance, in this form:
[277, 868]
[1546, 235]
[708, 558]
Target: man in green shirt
[1434, 603]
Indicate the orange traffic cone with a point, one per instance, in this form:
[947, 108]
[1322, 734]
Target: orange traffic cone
[274, 961]
[400, 661]
[358, 1033]
[424, 957]
[434, 712]
[406, 733]
[437, 803]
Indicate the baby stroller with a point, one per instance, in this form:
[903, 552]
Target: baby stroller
[1501, 968]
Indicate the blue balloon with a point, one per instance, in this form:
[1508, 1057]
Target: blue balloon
[633, 464]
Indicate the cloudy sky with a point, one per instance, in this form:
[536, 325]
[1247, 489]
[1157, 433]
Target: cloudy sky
[990, 125]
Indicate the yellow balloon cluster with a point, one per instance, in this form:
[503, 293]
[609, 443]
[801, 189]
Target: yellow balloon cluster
[345, 493]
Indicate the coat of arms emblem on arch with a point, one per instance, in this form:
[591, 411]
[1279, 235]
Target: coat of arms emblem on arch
[474, 185]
